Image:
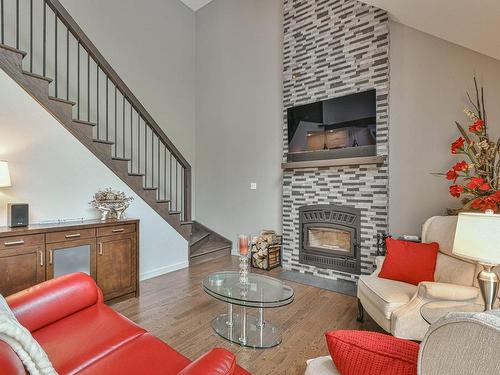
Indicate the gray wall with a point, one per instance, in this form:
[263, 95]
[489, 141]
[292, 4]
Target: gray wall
[153, 50]
[429, 77]
[239, 115]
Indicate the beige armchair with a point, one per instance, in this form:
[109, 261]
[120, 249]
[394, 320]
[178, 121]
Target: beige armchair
[459, 344]
[395, 305]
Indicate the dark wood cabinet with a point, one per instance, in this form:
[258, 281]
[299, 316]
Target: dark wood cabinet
[21, 268]
[108, 251]
[117, 265]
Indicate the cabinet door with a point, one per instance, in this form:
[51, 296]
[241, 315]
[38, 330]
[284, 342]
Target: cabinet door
[21, 268]
[71, 256]
[117, 265]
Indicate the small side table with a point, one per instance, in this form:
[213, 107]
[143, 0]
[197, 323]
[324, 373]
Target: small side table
[433, 311]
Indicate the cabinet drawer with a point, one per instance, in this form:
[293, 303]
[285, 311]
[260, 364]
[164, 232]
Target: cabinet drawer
[116, 229]
[68, 235]
[20, 241]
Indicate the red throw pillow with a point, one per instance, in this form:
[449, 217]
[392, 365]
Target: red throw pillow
[371, 353]
[410, 262]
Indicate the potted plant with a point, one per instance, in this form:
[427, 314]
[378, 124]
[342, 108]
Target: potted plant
[476, 178]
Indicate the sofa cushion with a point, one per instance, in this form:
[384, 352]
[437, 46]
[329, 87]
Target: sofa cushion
[388, 295]
[361, 353]
[78, 340]
[216, 362]
[409, 262]
[144, 354]
[10, 364]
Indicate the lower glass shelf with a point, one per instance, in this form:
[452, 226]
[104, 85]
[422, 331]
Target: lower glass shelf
[254, 334]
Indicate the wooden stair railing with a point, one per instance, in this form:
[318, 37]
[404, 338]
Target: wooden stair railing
[65, 72]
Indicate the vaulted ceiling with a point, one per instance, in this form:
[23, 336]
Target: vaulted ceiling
[472, 24]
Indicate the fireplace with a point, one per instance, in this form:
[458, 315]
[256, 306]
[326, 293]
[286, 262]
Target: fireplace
[329, 237]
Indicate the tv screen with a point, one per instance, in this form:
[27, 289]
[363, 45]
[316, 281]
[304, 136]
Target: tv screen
[321, 129]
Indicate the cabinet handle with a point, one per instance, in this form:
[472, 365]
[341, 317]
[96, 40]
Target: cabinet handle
[75, 235]
[50, 257]
[41, 257]
[117, 230]
[100, 248]
[14, 243]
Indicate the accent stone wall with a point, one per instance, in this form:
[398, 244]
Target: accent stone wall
[334, 48]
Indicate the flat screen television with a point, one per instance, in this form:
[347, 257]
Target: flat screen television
[340, 127]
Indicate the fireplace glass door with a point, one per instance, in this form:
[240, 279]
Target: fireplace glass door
[328, 239]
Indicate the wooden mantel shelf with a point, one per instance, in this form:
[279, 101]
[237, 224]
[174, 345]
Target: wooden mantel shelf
[333, 162]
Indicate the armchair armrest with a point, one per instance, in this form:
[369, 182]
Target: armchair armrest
[215, 362]
[45, 303]
[379, 261]
[445, 291]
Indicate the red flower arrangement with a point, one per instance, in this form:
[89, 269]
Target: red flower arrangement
[478, 177]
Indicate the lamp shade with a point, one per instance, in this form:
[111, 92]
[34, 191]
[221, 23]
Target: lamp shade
[478, 237]
[4, 174]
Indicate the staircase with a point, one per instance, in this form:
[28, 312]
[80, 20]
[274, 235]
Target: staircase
[205, 244]
[44, 50]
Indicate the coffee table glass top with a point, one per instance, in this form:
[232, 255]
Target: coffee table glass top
[261, 291]
[435, 310]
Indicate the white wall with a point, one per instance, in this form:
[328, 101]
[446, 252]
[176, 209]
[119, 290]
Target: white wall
[57, 176]
[239, 115]
[429, 77]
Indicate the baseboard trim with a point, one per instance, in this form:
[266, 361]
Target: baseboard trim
[163, 270]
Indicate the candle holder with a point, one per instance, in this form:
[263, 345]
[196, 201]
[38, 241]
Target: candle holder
[243, 247]
[244, 267]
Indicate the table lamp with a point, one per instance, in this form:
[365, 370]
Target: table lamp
[477, 238]
[4, 174]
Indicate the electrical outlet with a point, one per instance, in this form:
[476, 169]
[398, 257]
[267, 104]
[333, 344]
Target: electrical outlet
[253, 186]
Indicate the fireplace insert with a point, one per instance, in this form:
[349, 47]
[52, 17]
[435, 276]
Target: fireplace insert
[329, 237]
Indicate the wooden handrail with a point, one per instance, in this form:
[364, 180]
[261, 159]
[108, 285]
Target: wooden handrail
[87, 44]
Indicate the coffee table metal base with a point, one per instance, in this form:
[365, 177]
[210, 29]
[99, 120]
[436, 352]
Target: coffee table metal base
[253, 334]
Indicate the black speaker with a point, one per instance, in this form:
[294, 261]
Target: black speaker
[17, 215]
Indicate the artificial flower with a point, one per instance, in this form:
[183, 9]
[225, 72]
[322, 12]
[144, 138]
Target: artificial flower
[477, 127]
[458, 145]
[456, 190]
[485, 187]
[475, 182]
[451, 175]
[461, 166]
[484, 204]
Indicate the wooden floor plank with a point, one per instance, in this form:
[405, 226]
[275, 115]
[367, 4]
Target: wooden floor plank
[174, 308]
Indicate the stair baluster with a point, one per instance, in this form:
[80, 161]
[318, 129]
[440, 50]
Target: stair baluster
[148, 152]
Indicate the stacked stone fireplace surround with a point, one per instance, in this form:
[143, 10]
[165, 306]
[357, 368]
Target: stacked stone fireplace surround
[334, 48]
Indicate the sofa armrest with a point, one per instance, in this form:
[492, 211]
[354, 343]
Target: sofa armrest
[52, 300]
[445, 291]
[215, 362]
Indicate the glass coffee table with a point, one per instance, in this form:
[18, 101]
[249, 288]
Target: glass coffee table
[433, 311]
[260, 293]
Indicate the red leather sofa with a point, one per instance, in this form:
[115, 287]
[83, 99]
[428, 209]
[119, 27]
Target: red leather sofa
[81, 335]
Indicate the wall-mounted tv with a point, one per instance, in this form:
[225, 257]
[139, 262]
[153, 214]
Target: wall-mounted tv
[341, 127]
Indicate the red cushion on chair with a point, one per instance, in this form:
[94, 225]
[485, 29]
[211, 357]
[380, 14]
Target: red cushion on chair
[409, 262]
[371, 353]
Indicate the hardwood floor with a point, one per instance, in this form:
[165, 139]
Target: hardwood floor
[176, 309]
